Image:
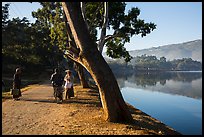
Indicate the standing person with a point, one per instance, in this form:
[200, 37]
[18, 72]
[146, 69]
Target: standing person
[3, 86]
[69, 80]
[57, 82]
[17, 84]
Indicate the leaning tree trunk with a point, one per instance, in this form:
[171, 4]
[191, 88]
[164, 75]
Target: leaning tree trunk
[74, 48]
[115, 108]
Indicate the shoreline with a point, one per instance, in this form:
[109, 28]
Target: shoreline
[161, 128]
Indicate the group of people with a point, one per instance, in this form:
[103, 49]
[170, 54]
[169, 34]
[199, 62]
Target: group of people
[57, 82]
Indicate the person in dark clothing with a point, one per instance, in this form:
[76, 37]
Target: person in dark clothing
[17, 83]
[57, 82]
[3, 84]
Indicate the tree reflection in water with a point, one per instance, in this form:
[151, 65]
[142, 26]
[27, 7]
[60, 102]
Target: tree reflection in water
[183, 83]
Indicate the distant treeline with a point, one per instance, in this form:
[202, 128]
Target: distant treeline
[145, 62]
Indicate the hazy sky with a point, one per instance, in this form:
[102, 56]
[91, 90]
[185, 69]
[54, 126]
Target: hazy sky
[176, 22]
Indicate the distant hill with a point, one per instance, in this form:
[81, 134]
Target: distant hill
[191, 49]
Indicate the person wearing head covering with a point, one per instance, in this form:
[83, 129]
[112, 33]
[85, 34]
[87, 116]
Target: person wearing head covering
[17, 84]
[69, 80]
[57, 82]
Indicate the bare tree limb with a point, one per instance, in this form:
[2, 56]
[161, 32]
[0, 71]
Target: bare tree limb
[103, 31]
[107, 37]
[83, 9]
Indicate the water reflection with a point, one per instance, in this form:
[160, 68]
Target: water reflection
[182, 83]
[174, 98]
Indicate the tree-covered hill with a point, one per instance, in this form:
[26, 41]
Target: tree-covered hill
[190, 49]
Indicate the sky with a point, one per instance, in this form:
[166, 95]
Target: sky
[177, 22]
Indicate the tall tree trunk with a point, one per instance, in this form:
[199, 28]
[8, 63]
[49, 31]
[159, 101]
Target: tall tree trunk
[115, 108]
[73, 47]
[82, 77]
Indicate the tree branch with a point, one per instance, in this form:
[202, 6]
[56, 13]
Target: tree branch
[94, 15]
[103, 31]
[75, 59]
[111, 36]
[70, 55]
[83, 9]
[74, 50]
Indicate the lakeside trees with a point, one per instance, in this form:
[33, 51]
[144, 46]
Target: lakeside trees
[47, 39]
[151, 62]
[115, 109]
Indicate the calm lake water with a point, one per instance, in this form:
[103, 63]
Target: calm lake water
[174, 98]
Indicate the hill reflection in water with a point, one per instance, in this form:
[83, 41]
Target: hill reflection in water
[187, 84]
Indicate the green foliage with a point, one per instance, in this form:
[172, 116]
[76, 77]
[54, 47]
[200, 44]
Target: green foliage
[147, 61]
[50, 18]
[116, 49]
[43, 42]
[186, 64]
[27, 45]
[5, 14]
[124, 26]
[16, 39]
[152, 63]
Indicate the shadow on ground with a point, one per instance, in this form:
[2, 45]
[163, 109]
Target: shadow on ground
[74, 100]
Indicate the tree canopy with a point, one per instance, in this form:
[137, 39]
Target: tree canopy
[27, 44]
[124, 26]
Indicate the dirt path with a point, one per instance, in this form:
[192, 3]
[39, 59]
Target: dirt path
[37, 114]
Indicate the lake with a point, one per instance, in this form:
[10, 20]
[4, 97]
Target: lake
[174, 98]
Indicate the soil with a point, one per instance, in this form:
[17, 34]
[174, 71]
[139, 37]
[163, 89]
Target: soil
[36, 113]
